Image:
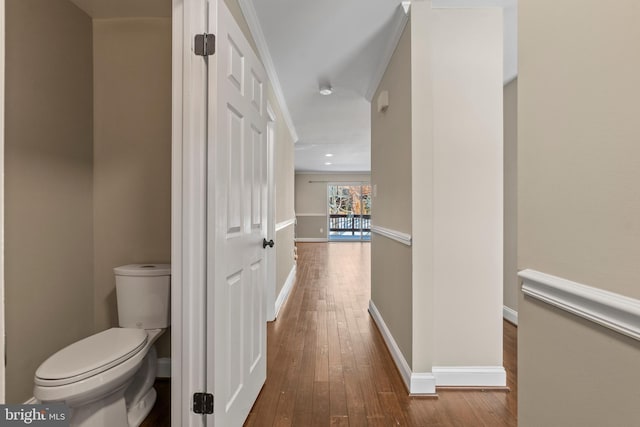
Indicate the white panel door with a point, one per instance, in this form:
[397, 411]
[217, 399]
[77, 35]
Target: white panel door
[237, 221]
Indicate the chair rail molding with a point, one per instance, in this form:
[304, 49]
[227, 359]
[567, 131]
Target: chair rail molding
[311, 240]
[285, 224]
[398, 236]
[614, 311]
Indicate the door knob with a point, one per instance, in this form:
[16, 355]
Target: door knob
[270, 243]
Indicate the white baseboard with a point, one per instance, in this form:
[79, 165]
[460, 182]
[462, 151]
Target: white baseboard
[286, 290]
[510, 315]
[311, 240]
[164, 367]
[470, 376]
[416, 382]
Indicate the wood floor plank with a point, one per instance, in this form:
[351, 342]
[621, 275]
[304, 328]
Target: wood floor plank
[347, 375]
[327, 364]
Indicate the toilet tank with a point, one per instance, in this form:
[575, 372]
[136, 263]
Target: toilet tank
[143, 292]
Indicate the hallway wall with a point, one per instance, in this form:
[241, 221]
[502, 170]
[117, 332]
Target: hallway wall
[391, 288]
[510, 272]
[132, 154]
[48, 185]
[578, 205]
[442, 299]
[311, 200]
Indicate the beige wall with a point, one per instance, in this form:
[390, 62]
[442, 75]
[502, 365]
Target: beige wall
[284, 164]
[132, 153]
[510, 268]
[578, 210]
[311, 227]
[468, 185]
[391, 142]
[48, 189]
[284, 173]
[446, 71]
[422, 191]
[391, 175]
[311, 197]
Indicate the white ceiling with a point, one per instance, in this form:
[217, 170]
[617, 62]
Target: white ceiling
[101, 9]
[339, 42]
[347, 44]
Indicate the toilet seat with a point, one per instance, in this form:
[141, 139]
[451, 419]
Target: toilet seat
[91, 356]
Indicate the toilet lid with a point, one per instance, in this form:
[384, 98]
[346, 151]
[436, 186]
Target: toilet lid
[91, 356]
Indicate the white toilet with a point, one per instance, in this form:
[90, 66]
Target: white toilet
[107, 378]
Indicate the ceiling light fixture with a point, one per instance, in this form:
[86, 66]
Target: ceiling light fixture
[326, 89]
[328, 155]
[328, 163]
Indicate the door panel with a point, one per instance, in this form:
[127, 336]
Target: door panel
[237, 196]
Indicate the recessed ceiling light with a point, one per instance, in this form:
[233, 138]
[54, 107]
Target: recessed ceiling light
[328, 155]
[328, 163]
[326, 89]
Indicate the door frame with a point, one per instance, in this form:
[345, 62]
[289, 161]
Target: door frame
[270, 294]
[188, 212]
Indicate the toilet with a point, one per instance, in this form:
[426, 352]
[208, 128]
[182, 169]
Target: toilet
[107, 379]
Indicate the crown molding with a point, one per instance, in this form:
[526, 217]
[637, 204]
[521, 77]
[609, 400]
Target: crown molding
[253, 22]
[387, 52]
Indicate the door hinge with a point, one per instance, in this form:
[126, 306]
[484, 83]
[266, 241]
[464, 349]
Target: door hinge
[205, 44]
[203, 403]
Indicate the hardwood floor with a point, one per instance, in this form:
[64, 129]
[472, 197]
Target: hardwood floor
[327, 364]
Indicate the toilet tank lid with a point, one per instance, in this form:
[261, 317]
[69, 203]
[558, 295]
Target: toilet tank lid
[92, 355]
[143, 270]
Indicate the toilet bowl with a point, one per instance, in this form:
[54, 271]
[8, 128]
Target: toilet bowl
[107, 379]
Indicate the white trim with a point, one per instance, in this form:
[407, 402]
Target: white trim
[416, 383]
[317, 172]
[253, 22]
[188, 211]
[311, 214]
[270, 112]
[272, 227]
[311, 239]
[31, 401]
[398, 236]
[286, 290]
[470, 376]
[285, 224]
[614, 311]
[387, 51]
[164, 368]
[510, 315]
